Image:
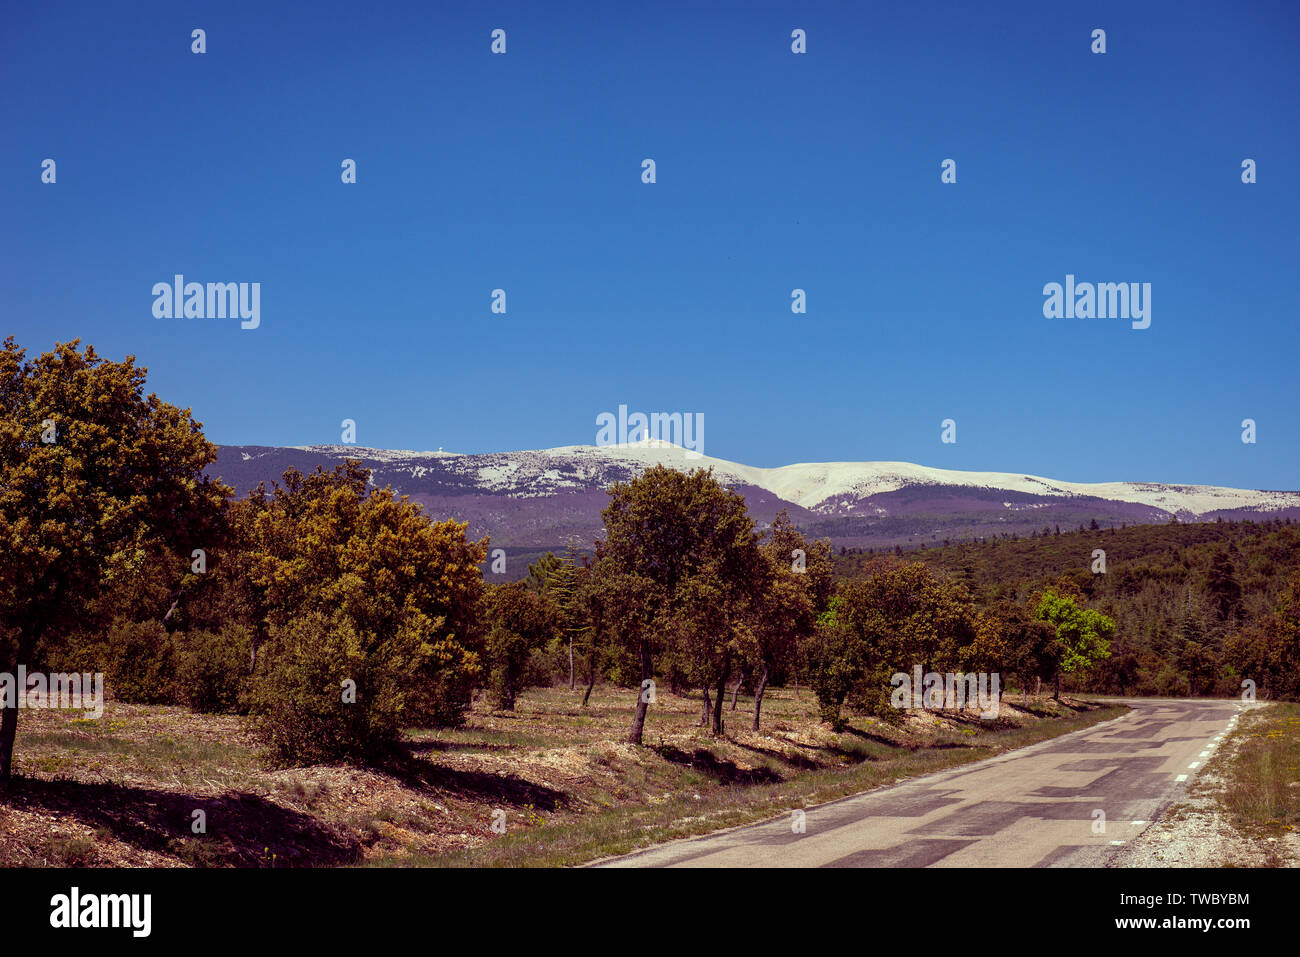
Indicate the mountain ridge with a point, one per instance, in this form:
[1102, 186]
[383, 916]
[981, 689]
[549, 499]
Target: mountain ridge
[539, 498]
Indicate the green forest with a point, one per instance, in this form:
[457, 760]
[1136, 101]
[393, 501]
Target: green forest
[1198, 607]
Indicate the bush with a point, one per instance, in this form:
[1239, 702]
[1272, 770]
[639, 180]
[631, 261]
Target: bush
[521, 623]
[212, 668]
[834, 667]
[305, 712]
[138, 661]
[1170, 683]
[450, 694]
[547, 666]
[357, 584]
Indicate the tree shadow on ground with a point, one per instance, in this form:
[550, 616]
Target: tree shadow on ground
[795, 760]
[424, 747]
[899, 745]
[421, 774]
[242, 830]
[973, 719]
[1040, 709]
[868, 736]
[724, 772]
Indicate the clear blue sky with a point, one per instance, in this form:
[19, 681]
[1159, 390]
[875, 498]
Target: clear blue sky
[775, 171]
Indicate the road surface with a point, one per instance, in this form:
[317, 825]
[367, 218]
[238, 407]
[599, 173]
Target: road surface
[1039, 806]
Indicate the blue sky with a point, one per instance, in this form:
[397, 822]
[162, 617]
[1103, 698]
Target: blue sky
[775, 171]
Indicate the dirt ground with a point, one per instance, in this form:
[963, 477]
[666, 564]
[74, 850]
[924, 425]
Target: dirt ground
[160, 786]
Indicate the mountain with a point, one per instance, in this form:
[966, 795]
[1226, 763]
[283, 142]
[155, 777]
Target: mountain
[530, 502]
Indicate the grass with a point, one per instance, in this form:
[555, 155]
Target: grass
[709, 792]
[122, 790]
[1262, 791]
[70, 850]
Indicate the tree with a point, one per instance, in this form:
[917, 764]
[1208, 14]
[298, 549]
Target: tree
[688, 547]
[1199, 664]
[1121, 669]
[836, 661]
[521, 621]
[557, 580]
[796, 586]
[899, 617]
[1084, 634]
[401, 593]
[1268, 650]
[1224, 589]
[909, 617]
[1031, 649]
[596, 603]
[96, 479]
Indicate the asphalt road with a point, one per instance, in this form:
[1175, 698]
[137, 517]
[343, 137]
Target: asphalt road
[1038, 806]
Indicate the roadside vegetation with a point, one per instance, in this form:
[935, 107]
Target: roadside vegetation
[546, 783]
[1260, 795]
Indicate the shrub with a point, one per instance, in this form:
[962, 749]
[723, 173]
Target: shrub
[548, 665]
[450, 692]
[1169, 683]
[393, 601]
[212, 668]
[304, 710]
[138, 662]
[521, 623]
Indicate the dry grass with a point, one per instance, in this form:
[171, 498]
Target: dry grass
[1261, 792]
[122, 791]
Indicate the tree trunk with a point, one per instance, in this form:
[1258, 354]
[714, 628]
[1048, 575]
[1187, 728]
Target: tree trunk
[1057, 696]
[642, 705]
[8, 729]
[638, 720]
[718, 726]
[591, 678]
[758, 695]
[571, 684]
[707, 708]
[9, 716]
[735, 692]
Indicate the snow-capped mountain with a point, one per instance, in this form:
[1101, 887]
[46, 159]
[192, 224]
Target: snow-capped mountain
[539, 499]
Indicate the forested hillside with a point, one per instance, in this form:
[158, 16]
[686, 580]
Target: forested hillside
[1198, 607]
